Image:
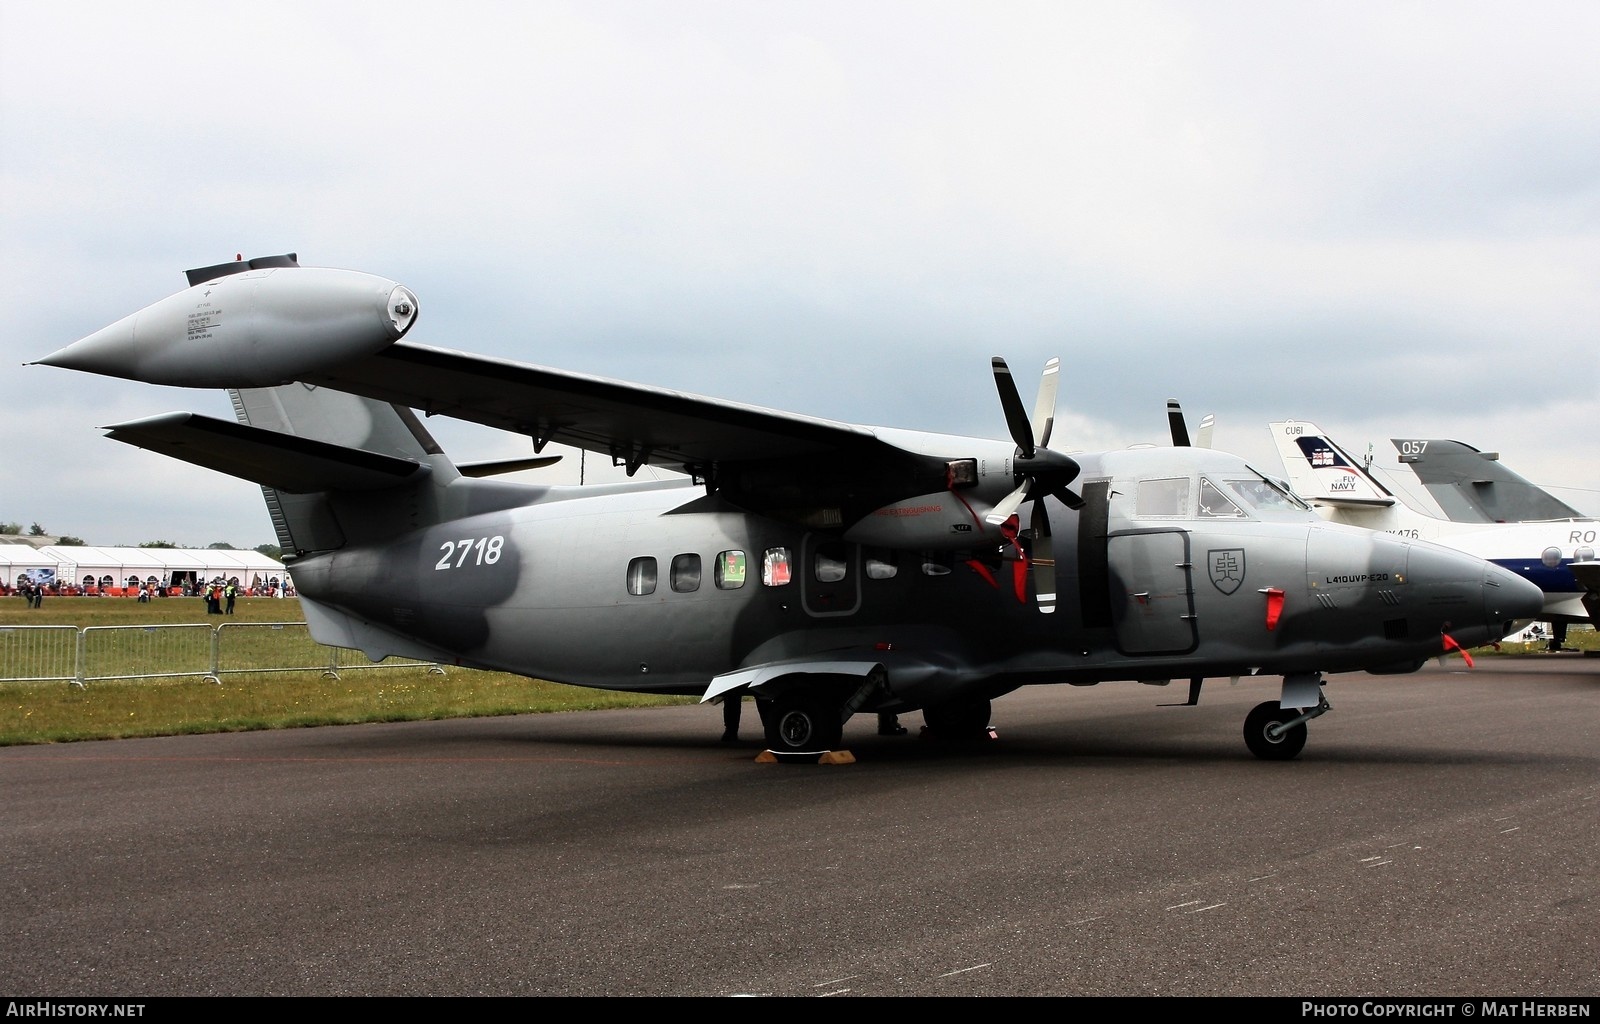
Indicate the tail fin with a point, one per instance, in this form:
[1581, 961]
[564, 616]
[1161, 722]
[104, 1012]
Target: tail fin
[1320, 471]
[1472, 486]
[317, 516]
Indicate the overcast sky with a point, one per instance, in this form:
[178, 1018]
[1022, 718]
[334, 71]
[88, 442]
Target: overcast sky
[1383, 218]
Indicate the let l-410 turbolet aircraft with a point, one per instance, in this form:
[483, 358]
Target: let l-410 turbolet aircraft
[825, 568]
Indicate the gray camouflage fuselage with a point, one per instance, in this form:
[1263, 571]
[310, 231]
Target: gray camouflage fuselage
[541, 590]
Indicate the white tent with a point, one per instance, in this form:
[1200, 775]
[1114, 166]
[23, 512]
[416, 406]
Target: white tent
[118, 568]
[16, 559]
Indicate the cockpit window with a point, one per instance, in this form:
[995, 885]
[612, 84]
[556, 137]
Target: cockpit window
[1266, 495]
[1216, 505]
[1163, 497]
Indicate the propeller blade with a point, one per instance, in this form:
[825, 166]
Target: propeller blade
[1204, 438]
[1068, 497]
[1016, 415]
[1043, 561]
[1044, 409]
[1008, 505]
[1180, 430]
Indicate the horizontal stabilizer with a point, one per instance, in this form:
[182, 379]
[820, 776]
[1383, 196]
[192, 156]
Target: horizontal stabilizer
[482, 469]
[298, 465]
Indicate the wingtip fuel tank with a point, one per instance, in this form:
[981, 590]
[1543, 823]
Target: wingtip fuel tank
[254, 328]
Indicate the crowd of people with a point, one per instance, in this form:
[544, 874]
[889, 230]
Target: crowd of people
[223, 591]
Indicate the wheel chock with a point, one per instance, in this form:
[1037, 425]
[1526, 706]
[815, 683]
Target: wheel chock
[806, 757]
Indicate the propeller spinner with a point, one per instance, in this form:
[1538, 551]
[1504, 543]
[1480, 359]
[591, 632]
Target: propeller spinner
[1039, 470]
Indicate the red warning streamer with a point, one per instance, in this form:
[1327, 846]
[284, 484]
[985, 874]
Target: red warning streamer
[1451, 645]
[1274, 607]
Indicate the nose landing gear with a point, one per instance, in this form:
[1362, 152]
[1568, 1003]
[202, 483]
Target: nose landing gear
[1276, 733]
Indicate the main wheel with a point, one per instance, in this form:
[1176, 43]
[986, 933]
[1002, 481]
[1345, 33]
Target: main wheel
[800, 722]
[958, 720]
[1258, 736]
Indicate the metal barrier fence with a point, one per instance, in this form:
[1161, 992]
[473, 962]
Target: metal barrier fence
[101, 653]
[38, 654]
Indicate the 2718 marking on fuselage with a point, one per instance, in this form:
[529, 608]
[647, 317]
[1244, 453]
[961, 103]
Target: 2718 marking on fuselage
[488, 549]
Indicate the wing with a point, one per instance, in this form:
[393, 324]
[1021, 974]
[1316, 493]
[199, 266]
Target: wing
[635, 424]
[270, 324]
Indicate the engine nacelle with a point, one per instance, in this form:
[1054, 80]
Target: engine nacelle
[941, 521]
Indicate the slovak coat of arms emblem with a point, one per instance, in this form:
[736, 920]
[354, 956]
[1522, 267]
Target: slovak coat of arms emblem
[1227, 568]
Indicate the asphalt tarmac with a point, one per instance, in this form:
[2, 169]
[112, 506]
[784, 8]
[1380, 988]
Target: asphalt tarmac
[1438, 837]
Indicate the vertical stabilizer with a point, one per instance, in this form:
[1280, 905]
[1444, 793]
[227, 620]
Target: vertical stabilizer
[1473, 486]
[1320, 471]
[326, 520]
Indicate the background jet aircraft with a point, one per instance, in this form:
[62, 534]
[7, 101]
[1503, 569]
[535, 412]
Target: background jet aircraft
[825, 568]
[1556, 555]
[1473, 486]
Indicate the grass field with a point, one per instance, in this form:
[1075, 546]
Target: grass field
[56, 712]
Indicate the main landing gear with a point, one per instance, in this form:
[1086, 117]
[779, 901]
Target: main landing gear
[802, 721]
[809, 720]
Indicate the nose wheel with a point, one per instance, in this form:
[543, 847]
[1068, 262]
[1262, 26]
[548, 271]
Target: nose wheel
[1275, 733]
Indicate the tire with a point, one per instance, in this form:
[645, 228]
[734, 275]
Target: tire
[1286, 746]
[958, 720]
[803, 723]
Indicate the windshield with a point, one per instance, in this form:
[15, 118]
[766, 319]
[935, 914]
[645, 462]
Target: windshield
[1266, 495]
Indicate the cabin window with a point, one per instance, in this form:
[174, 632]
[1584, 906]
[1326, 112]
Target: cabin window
[729, 571]
[642, 576]
[829, 565]
[1216, 505]
[1163, 497]
[881, 564]
[776, 569]
[935, 563]
[685, 573]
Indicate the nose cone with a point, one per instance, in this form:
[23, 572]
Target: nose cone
[1478, 601]
[109, 351]
[1509, 597]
